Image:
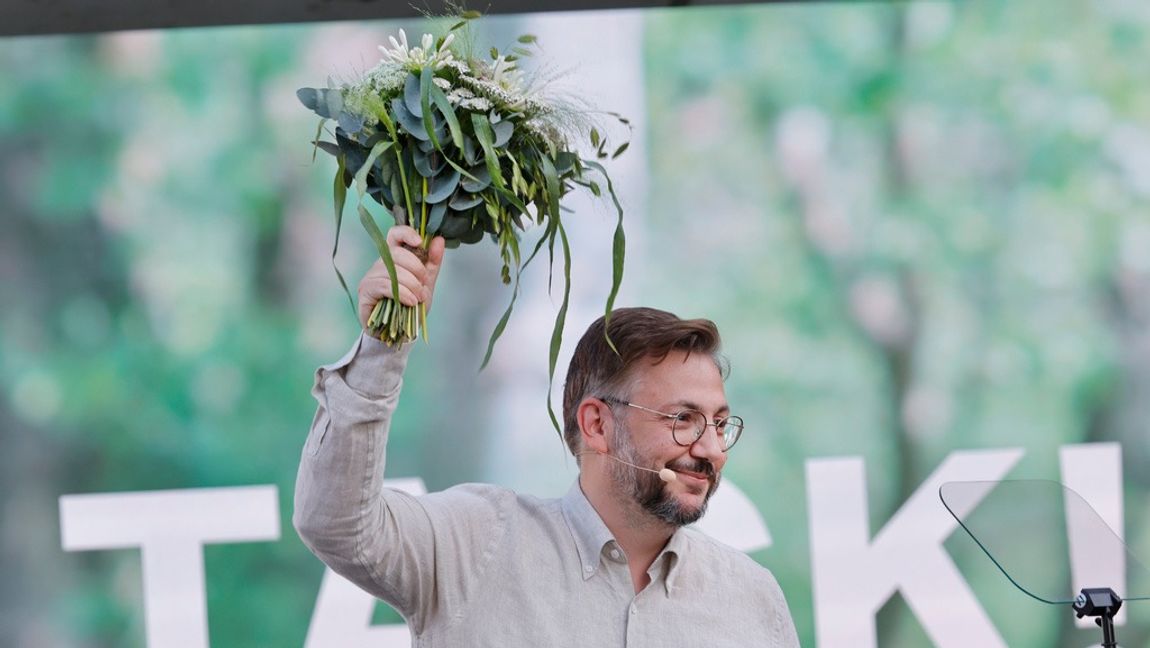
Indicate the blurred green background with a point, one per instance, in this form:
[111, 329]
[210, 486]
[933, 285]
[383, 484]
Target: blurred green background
[921, 227]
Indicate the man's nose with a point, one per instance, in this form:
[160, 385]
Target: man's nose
[709, 446]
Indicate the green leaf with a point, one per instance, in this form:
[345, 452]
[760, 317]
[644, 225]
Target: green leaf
[594, 138]
[318, 134]
[412, 86]
[426, 80]
[464, 201]
[380, 241]
[435, 218]
[363, 171]
[551, 184]
[410, 123]
[461, 23]
[527, 39]
[549, 234]
[441, 102]
[618, 250]
[560, 323]
[619, 151]
[503, 131]
[494, 53]
[486, 139]
[470, 15]
[442, 186]
[339, 194]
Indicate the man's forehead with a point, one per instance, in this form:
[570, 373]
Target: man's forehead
[692, 381]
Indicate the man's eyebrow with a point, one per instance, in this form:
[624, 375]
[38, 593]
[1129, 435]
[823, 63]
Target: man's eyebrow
[687, 404]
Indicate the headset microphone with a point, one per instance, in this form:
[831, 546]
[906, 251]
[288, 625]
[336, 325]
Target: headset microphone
[666, 474]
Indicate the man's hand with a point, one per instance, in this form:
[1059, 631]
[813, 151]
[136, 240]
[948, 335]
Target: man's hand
[416, 279]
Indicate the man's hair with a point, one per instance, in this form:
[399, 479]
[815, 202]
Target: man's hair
[596, 370]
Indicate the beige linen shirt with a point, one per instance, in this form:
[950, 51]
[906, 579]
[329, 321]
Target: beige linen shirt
[479, 565]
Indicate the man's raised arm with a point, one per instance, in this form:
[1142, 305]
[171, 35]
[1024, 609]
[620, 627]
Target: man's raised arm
[341, 510]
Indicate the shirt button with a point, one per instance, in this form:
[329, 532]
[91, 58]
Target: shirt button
[633, 610]
[587, 569]
[615, 554]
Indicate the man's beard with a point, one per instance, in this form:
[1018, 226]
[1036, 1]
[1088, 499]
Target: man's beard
[649, 491]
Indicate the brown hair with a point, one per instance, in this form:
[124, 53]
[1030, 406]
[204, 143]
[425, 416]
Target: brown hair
[596, 370]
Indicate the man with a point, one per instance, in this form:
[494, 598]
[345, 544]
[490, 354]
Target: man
[609, 564]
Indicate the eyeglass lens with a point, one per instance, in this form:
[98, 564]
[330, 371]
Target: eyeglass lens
[689, 425]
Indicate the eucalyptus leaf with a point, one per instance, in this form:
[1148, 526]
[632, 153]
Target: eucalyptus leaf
[334, 100]
[565, 162]
[463, 200]
[426, 164]
[435, 217]
[474, 235]
[350, 123]
[309, 97]
[503, 131]
[480, 180]
[411, 124]
[455, 225]
[426, 82]
[470, 150]
[442, 186]
[325, 102]
[411, 95]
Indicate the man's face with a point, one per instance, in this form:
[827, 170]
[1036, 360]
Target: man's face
[678, 382]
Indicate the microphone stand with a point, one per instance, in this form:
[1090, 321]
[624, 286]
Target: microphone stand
[1103, 603]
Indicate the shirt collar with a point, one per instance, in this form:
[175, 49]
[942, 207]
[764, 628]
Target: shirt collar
[591, 535]
[672, 556]
[587, 528]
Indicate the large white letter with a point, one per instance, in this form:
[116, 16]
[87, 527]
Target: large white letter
[853, 577]
[171, 528]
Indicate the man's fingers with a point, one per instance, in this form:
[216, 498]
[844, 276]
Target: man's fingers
[416, 278]
[403, 234]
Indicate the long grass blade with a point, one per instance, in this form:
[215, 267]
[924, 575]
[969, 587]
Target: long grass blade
[339, 195]
[560, 323]
[618, 251]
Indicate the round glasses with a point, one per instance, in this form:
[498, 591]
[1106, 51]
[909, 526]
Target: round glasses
[689, 424]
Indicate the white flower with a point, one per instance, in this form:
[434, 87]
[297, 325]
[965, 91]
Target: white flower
[507, 75]
[426, 54]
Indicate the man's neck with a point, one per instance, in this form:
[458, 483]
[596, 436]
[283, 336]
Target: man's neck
[640, 535]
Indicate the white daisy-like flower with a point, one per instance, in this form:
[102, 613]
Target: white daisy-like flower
[507, 75]
[426, 54]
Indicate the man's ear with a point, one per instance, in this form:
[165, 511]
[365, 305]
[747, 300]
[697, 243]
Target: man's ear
[595, 419]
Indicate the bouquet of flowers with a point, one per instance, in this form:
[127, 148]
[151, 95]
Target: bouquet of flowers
[460, 146]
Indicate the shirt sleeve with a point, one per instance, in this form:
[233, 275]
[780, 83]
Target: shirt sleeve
[422, 555]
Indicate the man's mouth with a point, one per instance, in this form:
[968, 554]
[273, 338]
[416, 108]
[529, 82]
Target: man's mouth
[701, 471]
